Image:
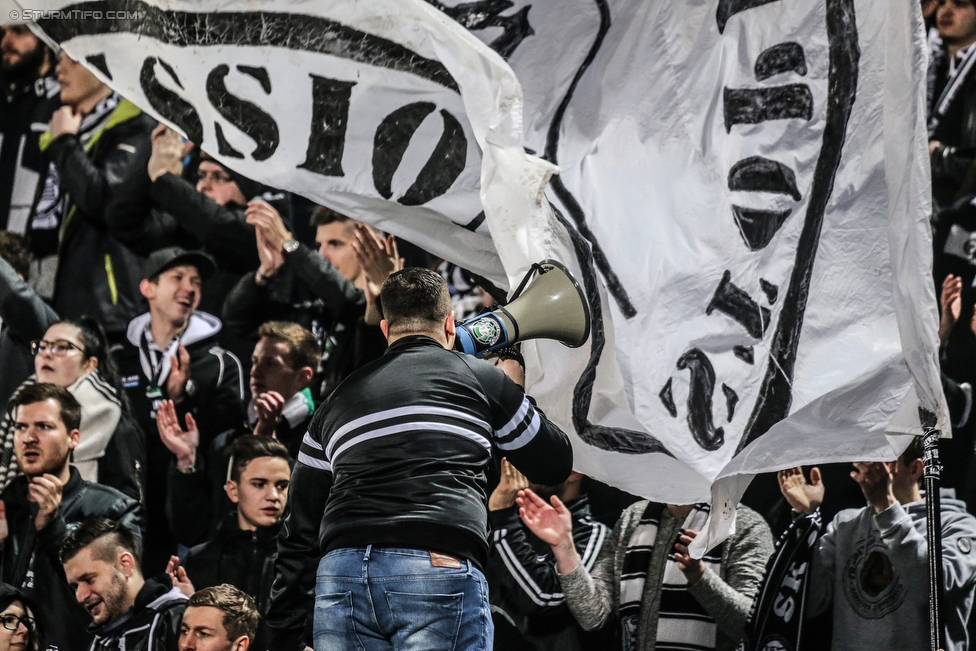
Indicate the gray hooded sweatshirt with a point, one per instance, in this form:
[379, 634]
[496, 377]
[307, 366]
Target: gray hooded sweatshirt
[872, 569]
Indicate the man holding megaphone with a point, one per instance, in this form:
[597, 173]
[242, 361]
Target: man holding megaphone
[390, 486]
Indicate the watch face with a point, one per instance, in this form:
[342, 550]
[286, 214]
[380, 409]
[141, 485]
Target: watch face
[290, 246]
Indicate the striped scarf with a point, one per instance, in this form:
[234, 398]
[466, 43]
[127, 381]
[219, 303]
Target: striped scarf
[959, 68]
[683, 623]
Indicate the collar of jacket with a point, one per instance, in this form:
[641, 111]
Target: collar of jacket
[19, 486]
[202, 326]
[124, 112]
[414, 341]
[229, 533]
[156, 592]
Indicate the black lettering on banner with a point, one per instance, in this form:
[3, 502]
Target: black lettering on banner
[167, 103]
[736, 303]
[784, 57]
[731, 399]
[249, 118]
[443, 167]
[745, 353]
[756, 105]
[667, 399]
[484, 14]
[758, 174]
[701, 386]
[770, 290]
[475, 223]
[98, 61]
[729, 8]
[758, 227]
[330, 116]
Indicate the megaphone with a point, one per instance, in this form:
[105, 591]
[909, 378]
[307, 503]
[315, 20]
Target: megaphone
[553, 307]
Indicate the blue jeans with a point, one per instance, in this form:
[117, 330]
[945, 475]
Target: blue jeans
[382, 598]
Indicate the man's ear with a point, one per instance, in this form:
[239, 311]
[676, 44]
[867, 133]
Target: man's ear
[126, 562]
[917, 469]
[385, 328]
[73, 437]
[449, 328]
[241, 643]
[305, 375]
[231, 489]
[147, 289]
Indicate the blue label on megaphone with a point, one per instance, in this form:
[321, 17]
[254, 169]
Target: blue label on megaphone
[481, 334]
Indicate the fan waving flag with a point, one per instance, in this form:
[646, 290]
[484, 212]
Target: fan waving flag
[743, 193]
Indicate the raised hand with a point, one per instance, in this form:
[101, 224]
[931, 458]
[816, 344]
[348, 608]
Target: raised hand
[950, 303]
[551, 523]
[182, 443]
[876, 482]
[269, 405]
[804, 497]
[509, 485]
[168, 152]
[377, 256]
[262, 215]
[179, 375]
[270, 257]
[692, 568]
[45, 490]
[178, 576]
[63, 121]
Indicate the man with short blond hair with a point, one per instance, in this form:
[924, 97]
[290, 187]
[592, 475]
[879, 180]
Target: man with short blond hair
[221, 618]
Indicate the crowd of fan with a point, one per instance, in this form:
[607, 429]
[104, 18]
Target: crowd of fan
[168, 327]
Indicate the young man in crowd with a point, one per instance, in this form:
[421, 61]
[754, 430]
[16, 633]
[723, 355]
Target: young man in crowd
[30, 96]
[128, 611]
[406, 441]
[171, 354]
[41, 506]
[645, 576]
[871, 567]
[241, 551]
[521, 569]
[324, 291]
[221, 618]
[90, 142]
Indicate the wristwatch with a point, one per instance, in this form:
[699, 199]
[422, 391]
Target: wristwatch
[290, 247]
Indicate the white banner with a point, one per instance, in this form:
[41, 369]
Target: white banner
[746, 178]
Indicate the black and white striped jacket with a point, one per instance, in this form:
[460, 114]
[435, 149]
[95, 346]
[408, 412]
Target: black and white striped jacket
[396, 457]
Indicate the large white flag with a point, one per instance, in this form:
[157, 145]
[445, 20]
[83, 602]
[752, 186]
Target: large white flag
[743, 192]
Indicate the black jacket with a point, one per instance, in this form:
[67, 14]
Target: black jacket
[523, 581]
[23, 106]
[30, 557]
[24, 316]
[952, 162]
[408, 438]
[96, 274]
[311, 292]
[152, 624]
[216, 404]
[245, 559]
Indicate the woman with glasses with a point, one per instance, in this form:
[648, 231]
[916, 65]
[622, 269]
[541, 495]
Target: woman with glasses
[75, 354]
[17, 628]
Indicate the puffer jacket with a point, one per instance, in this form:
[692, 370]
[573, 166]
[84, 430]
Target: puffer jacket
[152, 624]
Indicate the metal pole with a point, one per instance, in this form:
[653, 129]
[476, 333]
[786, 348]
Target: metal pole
[933, 527]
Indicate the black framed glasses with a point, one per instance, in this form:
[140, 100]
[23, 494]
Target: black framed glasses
[11, 622]
[58, 348]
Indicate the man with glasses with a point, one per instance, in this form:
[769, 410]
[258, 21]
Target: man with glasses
[41, 506]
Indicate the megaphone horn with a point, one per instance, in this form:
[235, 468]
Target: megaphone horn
[553, 307]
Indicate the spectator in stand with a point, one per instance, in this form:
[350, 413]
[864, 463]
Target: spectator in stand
[90, 142]
[159, 207]
[871, 567]
[128, 611]
[30, 96]
[645, 575]
[112, 448]
[40, 507]
[522, 577]
[24, 316]
[18, 628]
[952, 114]
[331, 293]
[282, 366]
[171, 354]
[221, 618]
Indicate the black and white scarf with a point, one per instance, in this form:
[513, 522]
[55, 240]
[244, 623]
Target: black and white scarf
[53, 201]
[960, 66]
[157, 364]
[776, 617]
[683, 623]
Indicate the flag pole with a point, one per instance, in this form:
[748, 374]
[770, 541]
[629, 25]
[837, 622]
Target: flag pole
[933, 526]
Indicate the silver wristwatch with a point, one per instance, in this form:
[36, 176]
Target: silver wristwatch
[290, 247]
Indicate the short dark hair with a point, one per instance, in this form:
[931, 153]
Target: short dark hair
[415, 300]
[92, 531]
[13, 249]
[323, 216]
[305, 350]
[70, 410]
[915, 450]
[240, 614]
[247, 448]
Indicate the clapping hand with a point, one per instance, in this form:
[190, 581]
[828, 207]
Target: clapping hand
[182, 443]
[268, 405]
[509, 485]
[803, 497]
[178, 576]
[950, 302]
